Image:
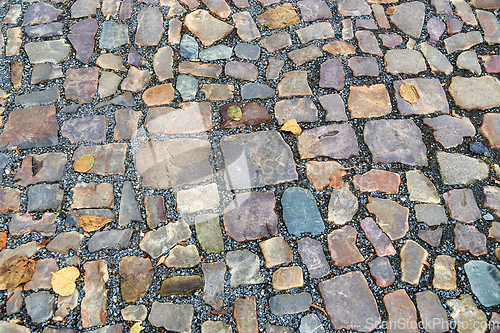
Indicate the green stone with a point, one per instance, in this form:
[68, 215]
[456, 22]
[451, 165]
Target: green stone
[180, 285]
[208, 232]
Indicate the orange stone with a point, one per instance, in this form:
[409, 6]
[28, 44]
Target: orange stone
[158, 95]
[288, 277]
[339, 47]
[378, 180]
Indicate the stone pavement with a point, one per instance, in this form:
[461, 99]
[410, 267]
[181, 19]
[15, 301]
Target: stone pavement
[249, 166]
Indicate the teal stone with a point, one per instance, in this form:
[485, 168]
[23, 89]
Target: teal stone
[301, 213]
[484, 280]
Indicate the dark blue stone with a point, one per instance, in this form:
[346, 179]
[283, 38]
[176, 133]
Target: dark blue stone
[479, 148]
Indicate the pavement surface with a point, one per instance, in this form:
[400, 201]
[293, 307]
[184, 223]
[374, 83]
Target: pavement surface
[249, 166]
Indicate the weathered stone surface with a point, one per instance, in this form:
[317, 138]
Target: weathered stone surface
[14, 303]
[460, 169]
[137, 276]
[174, 162]
[180, 285]
[377, 180]
[45, 72]
[462, 205]
[198, 69]
[311, 324]
[391, 217]
[158, 95]
[391, 40]
[43, 197]
[31, 127]
[252, 114]
[381, 270]
[316, 31]
[463, 10]
[454, 25]
[339, 47]
[364, 66]
[319, 172]
[490, 25]
[332, 74]
[450, 131]
[462, 41]
[215, 327]
[155, 210]
[484, 280]
[28, 249]
[469, 239]
[300, 212]
[313, 10]
[369, 101]
[89, 128]
[108, 84]
[435, 29]
[162, 63]
[432, 97]
[353, 8]
[10, 200]
[490, 129]
[41, 97]
[312, 255]
[465, 314]
[432, 313]
[244, 268]
[245, 26]
[21, 224]
[279, 17]
[247, 51]
[368, 43]
[290, 303]
[43, 274]
[276, 41]
[14, 42]
[65, 241]
[412, 257]
[182, 257]
[108, 159]
[187, 87]
[245, 314]
[203, 197]
[241, 70]
[206, 27]
[288, 277]
[39, 306]
[113, 35]
[431, 214]
[136, 79]
[134, 313]
[380, 241]
[189, 47]
[159, 241]
[111, 61]
[409, 18]
[81, 84]
[294, 83]
[334, 106]
[218, 92]
[191, 117]
[93, 306]
[349, 302]
[172, 317]
[276, 251]
[246, 156]
[82, 37]
[431, 237]
[342, 246]
[395, 141]
[83, 8]
[400, 308]
[110, 240]
[256, 91]
[491, 63]
[436, 60]
[492, 199]
[15, 11]
[305, 54]
[216, 52]
[404, 61]
[336, 141]
[214, 273]
[475, 93]
[208, 232]
[149, 27]
[300, 109]
[343, 205]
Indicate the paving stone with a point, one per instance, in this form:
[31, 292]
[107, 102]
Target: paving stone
[461, 205]
[43, 197]
[136, 79]
[218, 7]
[134, 312]
[48, 167]
[412, 257]
[44, 30]
[14, 303]
[379, 14]
[450, 131]
[162, 63]
[484, 278]
[279, 17]
[343, 205]
[364, 66]
[214, 273]
[460, 169]
[316, 31]
[39, 306]
[319, 172]
[381, 270]
[485, 4]
[182, 257]
[191, 117]
[432, 312]
[28, 249]
[83, 8]
[203, 197]
[369, 24]
[276, 42]
[491, 64]
[287, 278]
[126, 99]
[454, 25]
[241, 70]
[294, 83]
[390, 40]
[300, 212]
[247, 51]
[436, 60]
[400, 309]
[93, 306]
[108, 84]
[490, 25]
[313, 10]
[10, 200]
[126, 8]
[245, 26]
[462, 41]
[431, 214]
[349, 302]
[331, 74]
[492, 198]
[137, 276]
[368, 43]
[244, 268]
[189, 47]
[409, 18]
[15, 11]
[435, 29]
[381, 243]
[392, 218]
[431, 237]
[469, 239]
[180, 285]
[71, 109]
[245, 314]
[479, 94]
[206, 27]
[218, 92]
[185, 164]
[187, 86]
[4, 161]
[342, 246]
[161, 240]
[149, 27]
[158, 95]
[463, 10]
[89, 128]
[404, 61]
[353, 8]
[276, 251]
[155, 210]
[43, 274]
[113, 35]
[252, 114]
[81, 84]
[261, 149]
[336, 141]
[216, 52]
[300, 109]
[45, 72]
[110, 240]
[311, 324]
[334, 107]
[377, 180]
[172, 317]
[277, 329]
[256, 91]
[369, 101]
[290, 303]
[312, 255]
[108, 159]
[201, 70]
[91, 195]
[41, 97]
[339, 47]
[305, 54]
[465, 313]
[21, 224]
[14, 41]
[489, 129]
[215, 327]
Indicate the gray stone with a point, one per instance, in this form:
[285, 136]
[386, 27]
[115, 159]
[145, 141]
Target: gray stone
[216, 327]
[4, 161]
[187, 87]
[41, 12]
[462, 41]
[155, 210]
[311, 324]
[463, 10]
[312, 255]
[162, 63]
[209, 233]
[343, 205]
[172, 317]
[110, 240]
[71, 109]
[134, 312]
[83, 8]
[256, 91]
[484, 280]
[43, 197]
[368, 42]
[381, 270]
[214, 273]
[450, 131]
[404, 61]
[89, 128]
[241, 70]
[436, 60]
[413, 255]
[300, 109]
[182, 257]
[247, 51]
[391, 216]
[457, 169]
[206, 27]
[244, 267]
[277, 329]
[43, 274]
[431, 214]
[462, 205]
[216, 52]
[21, 224]
[149, 27]
[364, 66]
[353, 8]
[342, 246]
[381, 243]
[334, 106]
[14, 303]
[45, 72]
[41, 97]
[113, 35]
[129, 208]
[409, 18]
[320, 30]
[490, 25]
[189, 47]
[159, 241]
[431, 237]
[65, 241]
[337, 141]
[290, 303]
[44, 30]
[300, 212]
[475, 92]
[108, 83]
[276, 41]
[39, 306]
[469, 239]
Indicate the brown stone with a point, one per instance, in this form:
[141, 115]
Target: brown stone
[431, 237]
[364, 66]
[342, 246]
[294, 83]
[136, 79]
[409, 18]
[466, 315]
[432, 97]
[162, 63]
[191, 117]
[305, 54]
[158, 95]
[368, 43]
[337, 141]
[444, 273]
[9, 200]
[391, 40]
[149, 27]
[400, 308]
[353, 8]
[490, 128]
[137, 276]
[245, 315]
[43, 274]
[316, 31]
[276, 251]
[288, 277]
[377, 180]
[492, 198]
[462, 205]
[218, 92]
[381, 270]
[319, 172]
[109, 159]
[81, 84]
[180, 285]
[300, 109]
[241, 70]
[91, 195]
[206, 27]
[93, 307]
[200, 69]
[279, 17]
[338, 47]
[391, 217]
[432, 312]
[218, 7]
[369, 101]
[413, 256]
[245, 26]
[379, 240]
[469, 239]
[252, 114]
[276, 41]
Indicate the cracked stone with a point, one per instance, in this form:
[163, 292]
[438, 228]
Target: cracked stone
[343, 205]
[161, 240]
[392, 218]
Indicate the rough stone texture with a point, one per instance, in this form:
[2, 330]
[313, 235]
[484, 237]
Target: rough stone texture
[391, 217]
[368, 43]
[159, 241]
[336, 141]
[312, 255]
[108, 159]
[137, 276]
[110, 240]
[379, 240]
[300, 212]
[381, 270]
[462, 41]
[191, 117]
[377, 180]
[206, 27]
[150, 27]
[288, 277]
[431, 214]
[432, 97]
[93, 306]
[321, 30]
[290, 303]
[279, 17]
[276, 251]
[343, 205]
[294, 83]
[180, 285]
[214, 273]
[432, 312]
[43, 274]
[490, 129]
[39, 306]
[81, 84]
[461, 205]
[300, 109]
[353, 8]
[319, 172]
[484, 280]
[404, 61]
[276, 41]
[245, 26]
[342, 246]
[208, 232]
[458, 169]
[244, 268]
[21, 224]
[436, 60]
[182, 257]
[476, 92]
[465, 313]
[89, 128]
[469, 239]
[412, 257]
[203, 197]
[172, 317]
[369, 101]
[450, 131]
[409, 18]
[10, 200]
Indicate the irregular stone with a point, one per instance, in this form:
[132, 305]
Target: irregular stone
[82, 37]
[431, 214]
[400, 308]
[431, 237]
[108, 84]
[252, 114]
[377, 180]
[364, 66]
[182, 257]
[288, 277]
[162, 63]
[490, 129]
[247, 51]
[349, 302]
[276, 42]
[400, 143]
[404, 61]
[442, 7]
[343, 205]
[392, 218]
[484, 280]
[466, 314]
[83, 8]
[214, 273]
[91, 195]
[126, 8]
[412, 257]
[338, 47]
[316, 31]
[279, 17]
[4, 161]
[463, 10]
[206, 27]
[305, 54]
[241, 70]
[136, 79]
[175, 8]
[161, 240]
[14, 42]
[65, 241]
[300, 212]
[276, 251]
[475, 93]
[379, 14]
[155, 210]
[177, 162]
[277, 329]
[28, 249]
[218, 92]
[16, 74]
[14, 303]
[172, 317]
[369, 24]
[113, 35]
[381, 270]
[454, 25]
[71, 109]
[274, 67]
[462, 41]
[73, 218]
[203, 197]
[311, 324]
[21, 224]
[313, 10]
[245, 26]
[134, 312]
[187, 87]
[43, 197]
[331, 74]
[202, 70]
[251, 216]
[460, 169]
[180, 285]
[256, 91]
[126, 99]
[490, 25]
[381, 243]
[189, 47]
[337, 141]
[462, 205]
[409, 18]
[368, 43]
[9, 200]
[41, 97]
[492, 199]
[450, 131]
[245, 314]
[432, 97]
[93, 306]
[369, 101]
[45, 72]
[319, 172]
[215, 327]
[435, 28]
[469, 239]
[158, 95]
[491, 64]
[436, 60]
[39, 306]
[342, 246]
[390, 40]
[52, 51]
[216, 52]
[149, 27]
[300, 109]
[15, 11]
[244, 268]
[485, 4]
[334, 107]
[294, 83]
[312, 255]
[218, 7]
[137, 276]
[89, 128]
[81, 84]
[246, 156]
[110, 240]
[432, 313]
[43, 274]
[108, 159]
[353, 8]
[290, 303]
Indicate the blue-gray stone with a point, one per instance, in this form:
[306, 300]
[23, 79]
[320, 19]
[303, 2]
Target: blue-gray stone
[129, 209]
[189, 47]
[479, 148]
[290, 303]
[70, 109]
[42, 97]
[110, 240]
[4, 160]
[247, 51]
[484, 280]
[44, 30]
[43, 197]
[311, 324]
[217, 52]
[256, 90]
[187, 86]
[39, 306]
[113, 35]
[301, 213]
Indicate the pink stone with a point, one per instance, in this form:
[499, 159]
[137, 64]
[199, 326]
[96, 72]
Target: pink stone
[379, 240]
[342, 245]
[377, 180]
